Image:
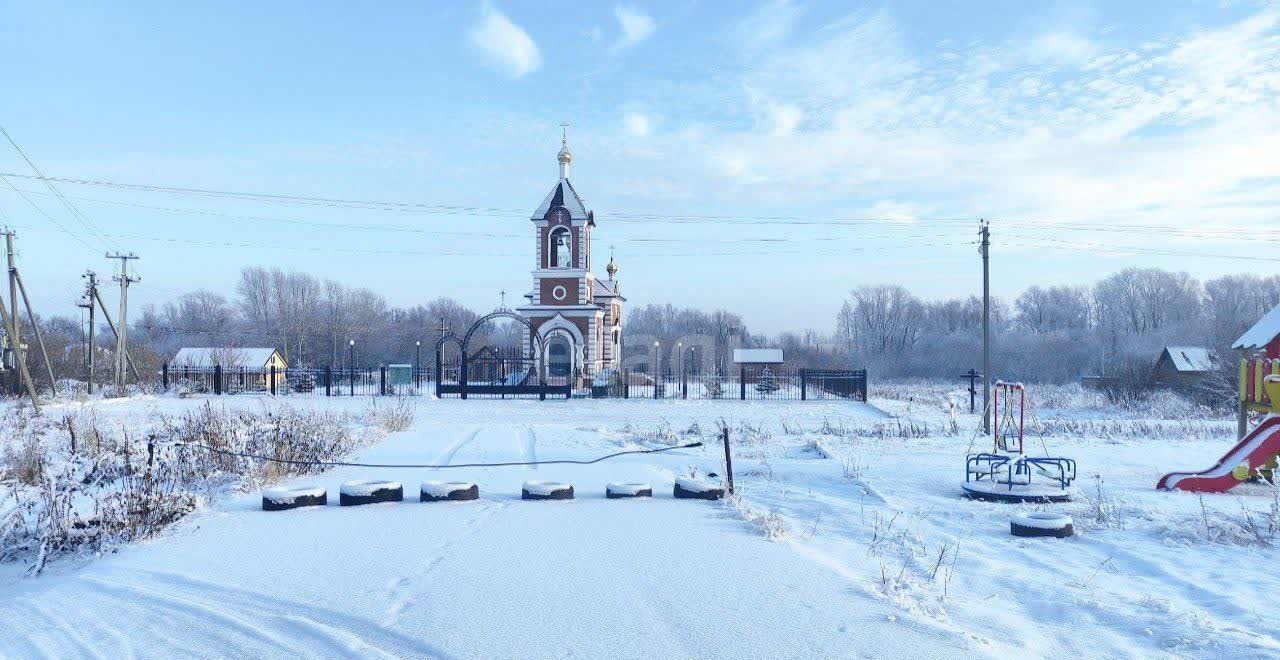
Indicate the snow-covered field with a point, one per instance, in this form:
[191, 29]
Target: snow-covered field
[849, 539]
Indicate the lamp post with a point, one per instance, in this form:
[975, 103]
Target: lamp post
[417, 361]
[351, 361]
[684, 375]
[657, 370]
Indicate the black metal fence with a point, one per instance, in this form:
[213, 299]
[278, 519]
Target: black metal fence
[749, 383]
[395, 380]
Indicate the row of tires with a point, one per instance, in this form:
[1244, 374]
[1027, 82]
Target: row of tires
[354, 493]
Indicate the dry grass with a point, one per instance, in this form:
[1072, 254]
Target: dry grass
[78, 485]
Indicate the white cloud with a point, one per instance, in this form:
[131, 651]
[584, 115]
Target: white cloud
[505, 45]
[767, 24]
[636, 123]
[636, 25]
[1063, 47]
[1167, 131]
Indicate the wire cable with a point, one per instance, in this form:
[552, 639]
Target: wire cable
[564, 461]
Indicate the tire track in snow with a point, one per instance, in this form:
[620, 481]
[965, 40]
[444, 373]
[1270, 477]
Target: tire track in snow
[465, 438]
[528, 446]
[402, 591]
[279, 627]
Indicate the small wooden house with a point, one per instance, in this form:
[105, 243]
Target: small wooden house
[1184, 366]
[1263, 338]
[232, 358]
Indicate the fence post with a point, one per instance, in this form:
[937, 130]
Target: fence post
[684, 384]
[273, 380]
[382, 380]
[804, 385]
[462, 375]
[351, 382]
[626, 385]
[328, 380]
[165, 375]
[217, 379]
[742, 384]
[657, 378]
[728, 459]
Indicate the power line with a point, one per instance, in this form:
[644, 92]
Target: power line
[71, 208]
[48, 217]
[419, 207]
[622, 217]
[1118, 249]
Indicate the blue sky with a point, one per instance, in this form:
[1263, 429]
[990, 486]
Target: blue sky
[835, 144]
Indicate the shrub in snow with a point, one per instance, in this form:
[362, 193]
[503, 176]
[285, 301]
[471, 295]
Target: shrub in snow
[439, 491]
[770, 523]
[393, 414]
[75, 485]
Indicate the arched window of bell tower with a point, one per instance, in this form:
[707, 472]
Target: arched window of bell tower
[560, 248]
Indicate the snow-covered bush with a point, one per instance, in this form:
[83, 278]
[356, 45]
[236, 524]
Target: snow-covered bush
[73, 484]
[393, 415]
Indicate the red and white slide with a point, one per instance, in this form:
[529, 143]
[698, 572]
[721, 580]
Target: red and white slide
[1254, 450]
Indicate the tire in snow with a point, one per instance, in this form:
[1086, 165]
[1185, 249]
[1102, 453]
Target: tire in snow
[619, 490]
[441, 491]
[696, 489]
[369, 492]
[1054, 525]
[282, 498]
[546, 490]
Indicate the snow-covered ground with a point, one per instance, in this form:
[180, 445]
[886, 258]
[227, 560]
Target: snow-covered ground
[849, 539]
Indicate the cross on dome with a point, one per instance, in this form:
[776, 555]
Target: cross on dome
[564, 156]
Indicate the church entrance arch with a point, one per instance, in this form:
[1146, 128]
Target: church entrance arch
[486, 370]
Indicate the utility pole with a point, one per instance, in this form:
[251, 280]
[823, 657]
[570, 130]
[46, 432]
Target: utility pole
[122, 334]
[11, 325]
[106, 316]
[15, 338]
[15, 280]
[985, 232]
[90, 294]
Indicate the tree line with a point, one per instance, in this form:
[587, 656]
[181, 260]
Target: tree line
[1045, 334]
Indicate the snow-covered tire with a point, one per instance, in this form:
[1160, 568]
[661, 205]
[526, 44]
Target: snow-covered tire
[621, 490]
[353, 493]
[696, 489]
[444, 491]
[282, 498]
[546, 490]
[1042, 523]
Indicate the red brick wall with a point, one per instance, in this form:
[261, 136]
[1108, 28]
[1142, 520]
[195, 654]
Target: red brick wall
[570, 285]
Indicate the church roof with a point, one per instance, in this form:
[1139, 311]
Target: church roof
[602, 288]
[564, 195]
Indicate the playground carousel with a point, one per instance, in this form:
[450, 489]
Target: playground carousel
[1007, 473]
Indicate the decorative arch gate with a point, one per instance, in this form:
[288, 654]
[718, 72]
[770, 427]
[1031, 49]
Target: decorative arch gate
[486, 371]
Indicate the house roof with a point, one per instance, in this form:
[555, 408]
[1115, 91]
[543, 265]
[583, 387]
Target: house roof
[564, 195]
[757, 356]
[1190, 358]
[1262, 333]
[224, 356]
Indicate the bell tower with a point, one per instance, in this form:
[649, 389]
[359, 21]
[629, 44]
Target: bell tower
[567, 300]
